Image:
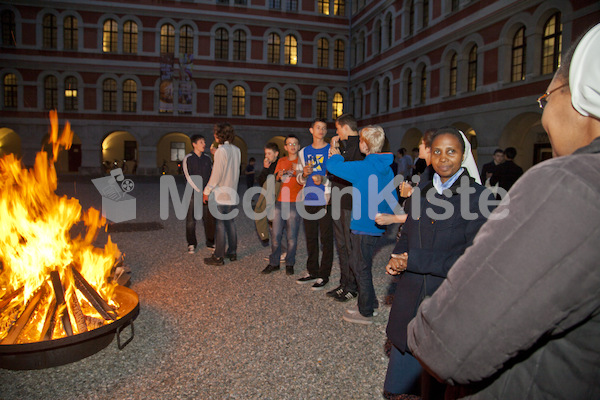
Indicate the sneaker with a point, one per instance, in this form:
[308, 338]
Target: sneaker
[306, 279]
[212, 260]
[283, 255]
[354, 311]
[357, 319]
[345, 296]
[191, 249]
[335, 292]
[320, 284]
[270, 268]
[289, 270]
[232, 257]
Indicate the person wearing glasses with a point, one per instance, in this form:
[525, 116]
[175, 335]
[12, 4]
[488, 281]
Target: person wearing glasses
[528, 325]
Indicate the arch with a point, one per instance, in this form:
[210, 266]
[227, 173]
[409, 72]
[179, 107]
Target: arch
[471, 135]
[10, 143]
[17, 19]
[280, 141]
[169, 154]
[506, 37]
[525, 133]
[449, 52]
[39, 26]
[67, 160]
[411, 139]
[117, 147]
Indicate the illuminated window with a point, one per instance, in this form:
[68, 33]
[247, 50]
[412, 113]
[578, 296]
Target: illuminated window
[239, 45]
[290, 50]
[70, 39]
[323, 53]
[221, 44]
[8, 28]
[10, 90]
[129, 96]
[339, 7]
[177, 151]
[323, 6]
[551, 44]
[337, 106]
[109, 95]
[517, 70]
[109, 36]
[50, 93]
[273, 48]
[339, 52]
[289, 104]
[186, 40]
[130, 37]
[423, 85]
[472, 70]
[321, 105]
[220, 100]
[238, 101]
[167, 39]
[71, 94]
[49, 31]
[453, 74]
[272, 103]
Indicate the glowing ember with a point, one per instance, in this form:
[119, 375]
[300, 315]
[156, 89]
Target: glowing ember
[35, 240]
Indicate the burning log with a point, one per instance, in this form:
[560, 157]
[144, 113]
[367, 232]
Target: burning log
[18, 326]
[50, 323]
[78, 314]
[8, 298]
[59, 292]
[93, 297]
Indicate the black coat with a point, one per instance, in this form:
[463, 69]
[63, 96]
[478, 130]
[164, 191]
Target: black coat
[433, 245]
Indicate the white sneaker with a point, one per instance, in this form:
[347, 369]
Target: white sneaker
[354, 311]
[191, 249]
[283, 255]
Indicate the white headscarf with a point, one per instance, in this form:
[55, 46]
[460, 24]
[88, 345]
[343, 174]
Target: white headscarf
[584, 74]
[469, 161]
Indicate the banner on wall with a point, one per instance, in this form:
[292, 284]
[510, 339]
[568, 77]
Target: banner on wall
[166, 83]
[185, 83]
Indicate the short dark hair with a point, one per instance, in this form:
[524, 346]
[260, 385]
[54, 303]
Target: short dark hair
[510, 153]
[449, 130]
[273, 146]
[427, 135]
[291, 136]
[251, 159]
[317, 120]
[349, 120]
[402, 151]
[498, 151]
[224, 132]
[195, 138]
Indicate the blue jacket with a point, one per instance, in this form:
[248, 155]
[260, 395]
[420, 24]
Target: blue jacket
[358, 174]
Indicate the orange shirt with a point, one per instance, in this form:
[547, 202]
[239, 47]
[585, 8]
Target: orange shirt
[289, 186]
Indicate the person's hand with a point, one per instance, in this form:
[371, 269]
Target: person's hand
[266, 163]
[334, 150]
[317, 179]
[204, 198]
[397, 264]
[388, 219]
[307, 170]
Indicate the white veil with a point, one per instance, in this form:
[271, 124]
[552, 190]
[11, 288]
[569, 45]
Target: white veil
[468, 161]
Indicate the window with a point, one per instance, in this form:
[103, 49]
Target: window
[273, 48]
[167, 39]
[177, 151]
[239, 45]
[472, 70]
[551, 44]
[221, 44]
[50, 93]
[339, 54]
[455, 4]
[109, 95]
[411, 18]
[49, 31]
[386, 95]
[289, 104]
[517, 68]
[240, 2]
[323, 6]
[130, 37]
[423, 85]
[425, 13]
[337, 106]
[376, 105]
[409, 88]
[8, 28]
[272, 103]
[339, 7]
[70, 38]
[290, 50]
[452, 79]
[377, 38]
[354, 52]
[358, 104]
[238, 101]
[10, 90]
[322, 105]
[129, 150]
[292, 5]
[109, 36]
[71, 94]
[361, 48]
[129, 96]
[186, 40]
[275, 4]
[323, 53]
[390, 30]
[220, 100]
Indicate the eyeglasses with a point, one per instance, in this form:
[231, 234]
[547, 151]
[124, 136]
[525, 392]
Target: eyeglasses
[542, 100]
[292, 144]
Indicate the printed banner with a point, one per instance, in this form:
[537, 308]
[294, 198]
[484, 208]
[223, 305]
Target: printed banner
[185, 83]
[166, 83]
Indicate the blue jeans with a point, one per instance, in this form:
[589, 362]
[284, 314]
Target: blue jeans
[225, 227]
[363, 247]
[403, 373]
[291, 221]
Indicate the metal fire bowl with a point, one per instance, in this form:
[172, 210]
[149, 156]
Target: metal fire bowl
[52, 353]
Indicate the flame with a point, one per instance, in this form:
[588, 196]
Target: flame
[36, 238]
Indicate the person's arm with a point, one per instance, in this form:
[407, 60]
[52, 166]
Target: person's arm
[531, 274]
[300, 169]
[217, 172]
[186, 173]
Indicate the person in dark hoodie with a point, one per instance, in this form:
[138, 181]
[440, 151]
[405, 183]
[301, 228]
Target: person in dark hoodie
[374, 173]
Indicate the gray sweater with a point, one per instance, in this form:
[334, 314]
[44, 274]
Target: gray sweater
[519, 315]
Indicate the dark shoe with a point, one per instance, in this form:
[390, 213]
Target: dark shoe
[320, 284]
[212, 260]
[265, 243]
[289, 270]
[270, 268]
[345, 296]
[306, 279]
[210, 245]
[232, 257]
[335, 292]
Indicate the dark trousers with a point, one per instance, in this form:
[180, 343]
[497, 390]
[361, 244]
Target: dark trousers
[341, 230]
[190, 225]
[363, 247]
[322, 227]
[226, 233]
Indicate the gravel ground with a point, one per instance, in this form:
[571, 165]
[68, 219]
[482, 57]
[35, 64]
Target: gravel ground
[227, 332]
